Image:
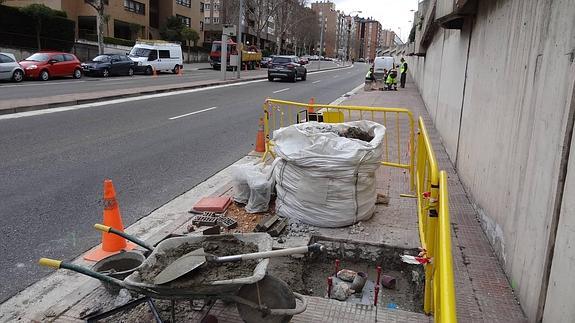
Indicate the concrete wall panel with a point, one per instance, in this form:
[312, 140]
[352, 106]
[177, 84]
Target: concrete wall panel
[513, 124]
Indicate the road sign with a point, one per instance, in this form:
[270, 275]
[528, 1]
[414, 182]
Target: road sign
[230, 30]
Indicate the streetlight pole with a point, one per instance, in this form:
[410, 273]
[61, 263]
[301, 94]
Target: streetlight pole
[239, 46]
[320, 41]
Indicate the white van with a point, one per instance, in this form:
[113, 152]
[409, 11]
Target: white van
[157, 55]
[381, 63]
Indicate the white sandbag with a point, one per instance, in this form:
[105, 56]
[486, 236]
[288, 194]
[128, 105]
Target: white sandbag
[323, 179]
[260, 185]
[240, 182]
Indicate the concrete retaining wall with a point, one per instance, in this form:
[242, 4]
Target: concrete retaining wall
[508, 76]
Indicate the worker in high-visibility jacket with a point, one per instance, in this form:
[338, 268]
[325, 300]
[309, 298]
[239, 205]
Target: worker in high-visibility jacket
[369, 76]
[391, 80]
[403, 71]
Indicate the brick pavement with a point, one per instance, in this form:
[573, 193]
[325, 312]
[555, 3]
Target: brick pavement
[483, 292]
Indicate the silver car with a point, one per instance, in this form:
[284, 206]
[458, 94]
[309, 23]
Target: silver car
[10, 69]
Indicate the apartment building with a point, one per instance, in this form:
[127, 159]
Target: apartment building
[212, 15]
[326, 12]
[387, 38]
[369, 35]
[127, 19]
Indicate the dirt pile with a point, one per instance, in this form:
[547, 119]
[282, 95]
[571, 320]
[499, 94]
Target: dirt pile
[356, 133]
[217, 245]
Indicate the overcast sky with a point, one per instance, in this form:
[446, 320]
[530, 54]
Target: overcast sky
[392, 14]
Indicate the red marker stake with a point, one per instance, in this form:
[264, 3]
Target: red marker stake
[336, 266]
[376, 295]
[378, 274]
[329, 284]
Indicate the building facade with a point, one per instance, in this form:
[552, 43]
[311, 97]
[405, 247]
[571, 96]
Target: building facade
[126, 19]
[326, 12]
[369, 35]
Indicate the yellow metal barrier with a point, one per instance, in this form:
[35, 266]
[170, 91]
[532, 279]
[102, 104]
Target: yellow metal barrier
[434, 231]
[399, 124]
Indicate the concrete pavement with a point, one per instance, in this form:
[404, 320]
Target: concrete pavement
[153, 147]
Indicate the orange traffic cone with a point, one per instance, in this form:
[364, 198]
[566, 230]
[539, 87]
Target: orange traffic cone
[180, 72]
[111, 243]
[155, 74]
[260, 139]
[311, 103]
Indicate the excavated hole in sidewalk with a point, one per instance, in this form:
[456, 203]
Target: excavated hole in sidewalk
[309, 275]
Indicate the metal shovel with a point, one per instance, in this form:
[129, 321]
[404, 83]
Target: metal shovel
[198, 257]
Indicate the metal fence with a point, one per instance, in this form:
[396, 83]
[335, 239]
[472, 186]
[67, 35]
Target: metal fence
[434, 231]
[399, 123]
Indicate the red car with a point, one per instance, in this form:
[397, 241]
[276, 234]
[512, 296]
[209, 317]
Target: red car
[45, 65]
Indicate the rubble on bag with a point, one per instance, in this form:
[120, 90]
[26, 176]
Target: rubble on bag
[346, 275]
[356, 133]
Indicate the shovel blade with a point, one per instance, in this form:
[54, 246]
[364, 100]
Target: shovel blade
[181, 266]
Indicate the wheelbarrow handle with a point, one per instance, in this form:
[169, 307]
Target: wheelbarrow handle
[59, 264]
[107, 229]
[274, 253]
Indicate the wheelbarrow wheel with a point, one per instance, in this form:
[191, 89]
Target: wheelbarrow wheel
[273, 293]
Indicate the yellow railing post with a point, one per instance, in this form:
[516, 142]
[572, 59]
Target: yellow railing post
[445, 263]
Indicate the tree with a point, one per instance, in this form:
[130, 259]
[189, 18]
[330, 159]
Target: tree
[98, 5]
[40, 12]
[261, 11]
[286, 19]
[190, 35]
[172, 30]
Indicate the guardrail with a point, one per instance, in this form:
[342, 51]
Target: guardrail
[399, 124]
[434, 231]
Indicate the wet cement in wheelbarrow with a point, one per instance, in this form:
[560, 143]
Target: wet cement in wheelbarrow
[219, 246]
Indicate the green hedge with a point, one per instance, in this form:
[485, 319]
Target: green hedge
[119, 41]
[17, 29]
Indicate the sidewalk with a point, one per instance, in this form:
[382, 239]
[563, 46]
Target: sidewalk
[483, 292]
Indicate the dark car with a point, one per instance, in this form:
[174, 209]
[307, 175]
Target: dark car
[45, 65]
[265, 61]
[110, 64]
[286, 67]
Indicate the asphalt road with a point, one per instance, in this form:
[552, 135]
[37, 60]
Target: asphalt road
[53, 165]
[87, 84]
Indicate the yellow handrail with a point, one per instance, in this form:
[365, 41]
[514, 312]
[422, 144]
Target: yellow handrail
[434, 231]
[445, 311]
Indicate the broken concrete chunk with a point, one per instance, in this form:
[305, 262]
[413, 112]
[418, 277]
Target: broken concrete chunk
[346, 275]
[341, 291]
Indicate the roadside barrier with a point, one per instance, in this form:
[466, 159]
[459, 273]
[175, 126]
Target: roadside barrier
[399, 124]
[111, 243]
[434, 231]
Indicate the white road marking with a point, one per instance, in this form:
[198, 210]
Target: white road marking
[342, 98]
[192, 113]
[278, 91]
[136, 98]
[336, 76]
[314, 82]
[39, 84]
[124, 100]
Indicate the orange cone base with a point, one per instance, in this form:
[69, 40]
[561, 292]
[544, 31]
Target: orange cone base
[98, 253]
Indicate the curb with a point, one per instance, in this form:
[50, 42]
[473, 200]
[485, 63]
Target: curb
[129, 93]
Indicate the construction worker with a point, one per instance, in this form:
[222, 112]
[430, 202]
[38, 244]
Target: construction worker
[369, 80]
[403, 71]
[391, 80]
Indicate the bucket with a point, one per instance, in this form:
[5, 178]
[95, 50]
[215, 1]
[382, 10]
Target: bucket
[118, 266]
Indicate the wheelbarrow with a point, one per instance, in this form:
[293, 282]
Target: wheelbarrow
[258, 297]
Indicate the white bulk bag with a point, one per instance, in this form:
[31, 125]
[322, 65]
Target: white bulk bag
[323, 179]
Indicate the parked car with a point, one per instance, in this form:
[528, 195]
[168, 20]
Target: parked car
[110, 64]
[265, 61]
[286, 67]
[46, 65]
[10, 69]
[303, 61]
[157, 55]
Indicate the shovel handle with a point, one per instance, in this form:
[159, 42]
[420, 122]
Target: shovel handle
[59, 264]
[107, 229]
[316, 247]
